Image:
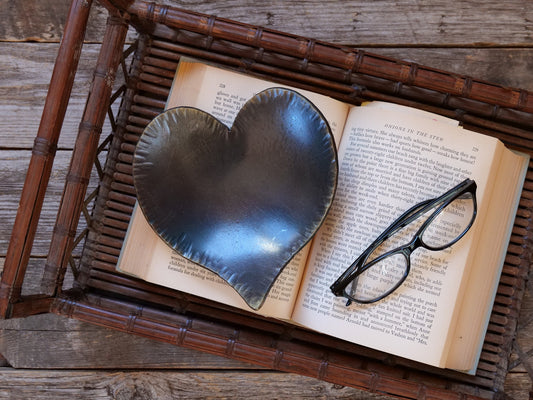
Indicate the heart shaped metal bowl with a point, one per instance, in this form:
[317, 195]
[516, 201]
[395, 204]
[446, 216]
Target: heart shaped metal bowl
[241, 201]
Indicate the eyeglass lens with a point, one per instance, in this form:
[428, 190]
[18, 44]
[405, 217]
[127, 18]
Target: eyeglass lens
[383, 276]
[450, 223]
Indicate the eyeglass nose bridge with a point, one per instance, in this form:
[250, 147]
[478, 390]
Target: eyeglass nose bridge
[406, 250]
[414, 244]
[409, 248]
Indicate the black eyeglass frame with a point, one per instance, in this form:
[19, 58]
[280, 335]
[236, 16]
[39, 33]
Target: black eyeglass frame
[359, 265]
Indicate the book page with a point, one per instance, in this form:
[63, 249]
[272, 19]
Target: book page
[484, 277]
[389, 161]
[415, 112]
[221, 93]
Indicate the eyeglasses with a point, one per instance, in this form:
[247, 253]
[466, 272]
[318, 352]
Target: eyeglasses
[438, 223]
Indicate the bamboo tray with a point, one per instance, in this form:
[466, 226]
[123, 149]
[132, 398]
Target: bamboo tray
[104, 297]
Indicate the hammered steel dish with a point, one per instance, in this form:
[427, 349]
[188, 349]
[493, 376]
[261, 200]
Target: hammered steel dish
[241, 201]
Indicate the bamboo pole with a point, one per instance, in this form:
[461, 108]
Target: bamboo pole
[31, 201]
[84, 153]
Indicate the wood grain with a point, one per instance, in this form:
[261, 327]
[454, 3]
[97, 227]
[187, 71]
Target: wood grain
[13, 165]
[34, 274]
[383, 23]
[70, 344]
[489, 40]
[26, 72]
[167, 385]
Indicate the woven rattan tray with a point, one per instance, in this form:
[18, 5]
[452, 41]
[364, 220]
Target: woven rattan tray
[102, 296]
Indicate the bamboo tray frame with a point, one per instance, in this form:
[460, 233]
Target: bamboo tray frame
[104, 297]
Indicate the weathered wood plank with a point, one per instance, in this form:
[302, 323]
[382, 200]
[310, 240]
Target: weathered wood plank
[26, 71]
[32, 278]
[355, 22]
[44, 21]
[518, 386]
[13, 165]
[54, 342]
[167, 385]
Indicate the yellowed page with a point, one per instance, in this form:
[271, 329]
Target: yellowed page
[136, 253]
[412, 112]
[486, 268]
[221, 93]
[389, 161]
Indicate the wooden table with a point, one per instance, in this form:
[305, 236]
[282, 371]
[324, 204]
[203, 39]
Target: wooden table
[50, 357]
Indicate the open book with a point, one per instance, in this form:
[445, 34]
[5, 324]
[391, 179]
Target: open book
[390, 157]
